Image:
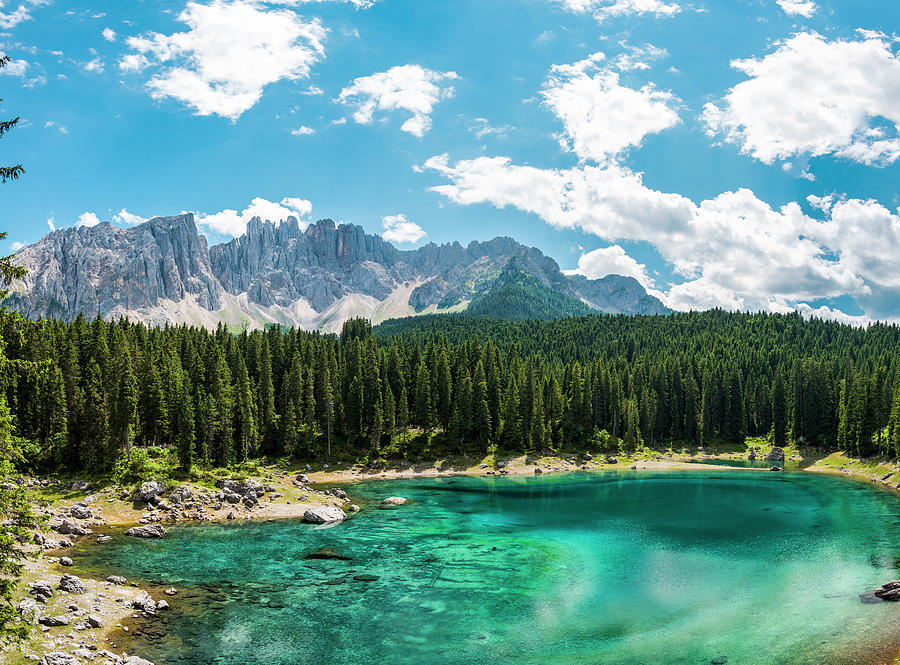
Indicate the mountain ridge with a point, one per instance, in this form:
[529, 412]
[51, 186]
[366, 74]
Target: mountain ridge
[163, 271]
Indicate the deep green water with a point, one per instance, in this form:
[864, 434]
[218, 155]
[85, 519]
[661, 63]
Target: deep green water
[624, 568]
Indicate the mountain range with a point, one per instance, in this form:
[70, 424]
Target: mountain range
[314, 277]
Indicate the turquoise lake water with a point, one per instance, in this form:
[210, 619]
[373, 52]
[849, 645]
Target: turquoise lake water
[618, 567]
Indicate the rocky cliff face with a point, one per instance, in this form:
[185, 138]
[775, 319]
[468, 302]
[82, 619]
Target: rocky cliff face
[105, 269]
[317, 277]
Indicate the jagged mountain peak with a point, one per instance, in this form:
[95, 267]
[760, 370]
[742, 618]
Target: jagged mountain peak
[313, 276]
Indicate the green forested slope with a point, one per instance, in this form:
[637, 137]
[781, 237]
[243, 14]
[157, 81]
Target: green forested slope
[82, 393]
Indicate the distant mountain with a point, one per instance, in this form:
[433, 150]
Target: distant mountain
[162, 271]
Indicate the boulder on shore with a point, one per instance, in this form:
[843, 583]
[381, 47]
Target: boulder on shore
[70, 528]
[394, 501]
[324, 515]
[775, 455]
[72, 584]
[147, 531]
[150, 490]
[59, 658]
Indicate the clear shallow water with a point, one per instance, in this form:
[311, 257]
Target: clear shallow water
[741, 463]
[625, 568]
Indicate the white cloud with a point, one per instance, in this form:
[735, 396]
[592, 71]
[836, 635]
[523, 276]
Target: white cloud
[14, 67]
[303, 130]
[601, 117]
[815, 97]
[359, 4]
[408, 88]
[16, 246]
[10, 19]
[638, 57]
[94, 66]
[51, 223]
[86, 219]
[481, 128]
[109, 34]
[398, 229]
[50, 124]
[805, 8]
[611, 260]
[231, 52]
[233, 223]
[126, 218]
[733, 251]
[603, 9]
[133, 62]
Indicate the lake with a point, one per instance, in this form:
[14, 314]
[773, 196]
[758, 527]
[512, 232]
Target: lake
[632, 567]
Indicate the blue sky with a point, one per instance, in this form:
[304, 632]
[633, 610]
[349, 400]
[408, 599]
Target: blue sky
[679, 142]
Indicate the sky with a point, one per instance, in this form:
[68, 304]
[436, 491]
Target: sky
[726, 153]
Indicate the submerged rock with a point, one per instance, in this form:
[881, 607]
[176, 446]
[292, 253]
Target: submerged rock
[147, 531]
[324, 515]
[366, 577]
[328, 554]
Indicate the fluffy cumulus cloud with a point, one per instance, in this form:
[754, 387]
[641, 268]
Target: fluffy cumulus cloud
[125, 218]
[359, 4]
[409, 88]
[601, 117]
[603, 9]
[16, 246]
[233, 223]
[398, 229]
[611, 260]
[87, 219]
[231, 51]
[805, 8]
[14, 67]
[812, 96]
[733, 250]
[12, 13]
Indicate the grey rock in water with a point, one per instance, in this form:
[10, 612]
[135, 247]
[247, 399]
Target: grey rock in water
[65, 561]
[147, 531]
[72, 584]
[394, 501]
[333, 270]
[324, 515]
[339, 493]
[144, 603]
[104, 539]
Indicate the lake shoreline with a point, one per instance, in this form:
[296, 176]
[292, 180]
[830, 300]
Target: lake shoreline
[289, 499]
